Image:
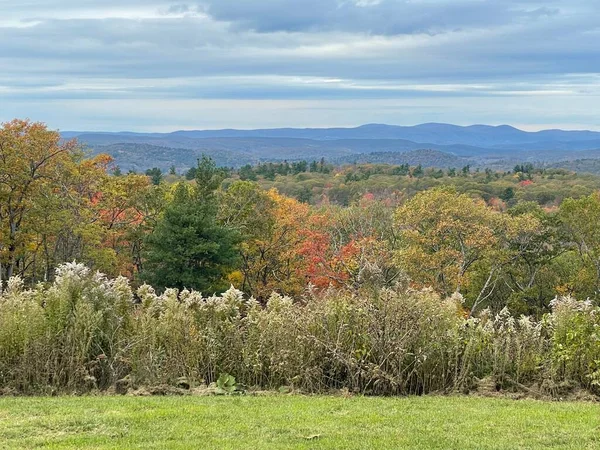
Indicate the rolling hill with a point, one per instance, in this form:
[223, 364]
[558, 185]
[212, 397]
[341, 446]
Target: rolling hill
[439, 144]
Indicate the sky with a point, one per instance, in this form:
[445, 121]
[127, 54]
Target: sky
[160, 65]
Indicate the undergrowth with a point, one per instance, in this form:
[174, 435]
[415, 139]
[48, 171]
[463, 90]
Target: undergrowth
[86, 332]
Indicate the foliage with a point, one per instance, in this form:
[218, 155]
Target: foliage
[347, 244]
[442, 235]
[273, 229]
[226, 384]
[576, 341]
[580, 218]
[56, 206]
[155, 174]
[188, 247]
[85, 332]
[71, 335]
[32, 160]
[352, 248]
[347, 184]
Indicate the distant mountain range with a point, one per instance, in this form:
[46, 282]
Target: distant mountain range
[446, 145]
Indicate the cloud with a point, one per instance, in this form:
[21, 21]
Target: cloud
[363, 52]
[382, 17]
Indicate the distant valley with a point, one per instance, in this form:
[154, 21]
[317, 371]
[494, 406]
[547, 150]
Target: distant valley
[431, 145]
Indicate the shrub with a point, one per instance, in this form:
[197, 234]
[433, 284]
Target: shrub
[71, 335]
[512, 351]
[576, 342]
[86, 332]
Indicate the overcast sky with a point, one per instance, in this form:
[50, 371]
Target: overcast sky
[165, 65]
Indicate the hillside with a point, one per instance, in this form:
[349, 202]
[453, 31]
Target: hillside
[502, 136]
[478, 145]
[145, 152]
[579, 165]
[425, 158]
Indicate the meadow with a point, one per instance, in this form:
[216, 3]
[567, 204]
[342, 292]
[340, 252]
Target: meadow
[296, 422]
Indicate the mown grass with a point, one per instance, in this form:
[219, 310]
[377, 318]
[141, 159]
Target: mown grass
[296, 422]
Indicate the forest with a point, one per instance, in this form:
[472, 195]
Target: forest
[377, 278]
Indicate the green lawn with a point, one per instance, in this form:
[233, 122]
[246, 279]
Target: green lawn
[296, 422]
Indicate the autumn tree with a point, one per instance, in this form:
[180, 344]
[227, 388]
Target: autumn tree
[83, 214]
[535, 242]
[59, 205]
[273, 228]
[441, 235]
[72, 229]
[352, 247]
[126, 208]
[518, 271]
[31, 158]
[580, 219]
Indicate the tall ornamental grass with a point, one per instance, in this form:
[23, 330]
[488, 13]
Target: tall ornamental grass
[85, 332]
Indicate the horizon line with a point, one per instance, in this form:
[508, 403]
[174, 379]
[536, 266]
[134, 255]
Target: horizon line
[519, 127]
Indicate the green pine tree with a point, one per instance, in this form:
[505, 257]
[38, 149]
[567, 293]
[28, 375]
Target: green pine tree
[189, 248]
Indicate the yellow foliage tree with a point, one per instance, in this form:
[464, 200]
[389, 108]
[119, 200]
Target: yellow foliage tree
[32, 159]
[442, 235]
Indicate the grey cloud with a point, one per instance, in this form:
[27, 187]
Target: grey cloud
[196, 46]
[266, 50]
[386, 17]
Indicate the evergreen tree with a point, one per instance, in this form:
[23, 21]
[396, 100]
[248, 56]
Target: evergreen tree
[155, 175]
[189, 248]
[247, 173]
[191, 173]
[508, 194]
[418, 171]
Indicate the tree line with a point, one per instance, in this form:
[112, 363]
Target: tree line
[218, 228]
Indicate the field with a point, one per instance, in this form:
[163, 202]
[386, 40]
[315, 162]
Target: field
[296, 422]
